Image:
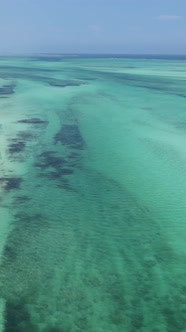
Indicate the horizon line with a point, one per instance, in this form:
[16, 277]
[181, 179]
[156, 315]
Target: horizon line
[90, 53]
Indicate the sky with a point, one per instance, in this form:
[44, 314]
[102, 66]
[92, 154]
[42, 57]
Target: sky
[93, 26]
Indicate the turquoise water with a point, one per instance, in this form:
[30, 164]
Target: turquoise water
[94, 179]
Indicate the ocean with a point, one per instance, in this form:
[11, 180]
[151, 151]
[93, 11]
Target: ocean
[92, 193]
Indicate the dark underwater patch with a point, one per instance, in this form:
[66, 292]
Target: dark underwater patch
[21, 74]
[25, 217]
[73, 155]
[65, 83]
[7, 89]
[11, 183]
[180, 125]
[17, 318]
[22, 199]
[64, 183]
[181, 95]
[9, 252]
[33, 121]
[28, 69]
[48, 160]
[16, 147]
[58, 174]
[70, 135]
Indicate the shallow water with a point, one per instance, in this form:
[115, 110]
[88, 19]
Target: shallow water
[96, 188]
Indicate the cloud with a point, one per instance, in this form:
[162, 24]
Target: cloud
[169, 17]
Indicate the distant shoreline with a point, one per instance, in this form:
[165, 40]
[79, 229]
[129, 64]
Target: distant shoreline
[99, 55]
